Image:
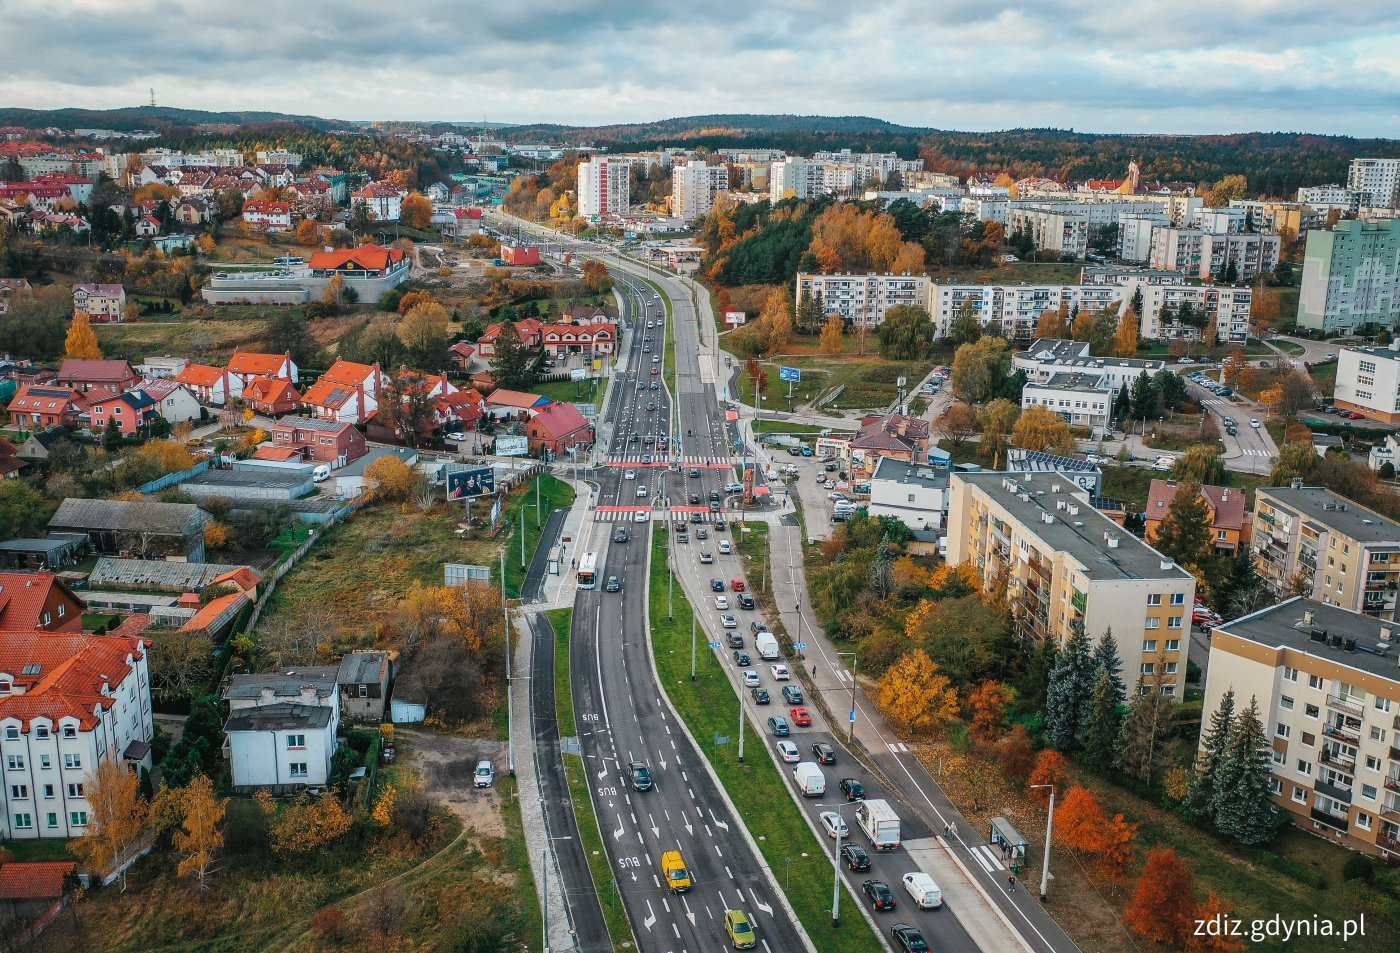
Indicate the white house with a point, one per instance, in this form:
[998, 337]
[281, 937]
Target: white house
[174, 401]
[916, 494]
[212, 385]
[282, 727]
[68, 702]
[1083, 400]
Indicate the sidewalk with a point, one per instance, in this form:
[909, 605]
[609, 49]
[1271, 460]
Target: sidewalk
[558, 591]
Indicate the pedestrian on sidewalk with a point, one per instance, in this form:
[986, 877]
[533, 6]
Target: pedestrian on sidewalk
[1010, 883]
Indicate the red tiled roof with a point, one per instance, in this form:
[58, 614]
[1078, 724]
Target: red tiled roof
[1227, 503]
[34, 880]
[83, 369]
[267, 208]
[270, 390]
[63, 674]
[369, 257]
[348, 372]
[516, 398]
[200, 375]
[23, 596]
[38, 397]
[559, 420]
[244, 577]
[329, 393]
[210, 612]
[277, 453]
[462, 348]
[250, 362]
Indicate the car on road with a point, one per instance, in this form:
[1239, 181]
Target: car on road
[780, 671]
[654, 385]
[740, 930]
[656, 359]
[855, 857]
[484, 775]
[745, 601]
[646, 458]
[779, 726]
[641, 517]
[824, 753]
[1254, 422]
[749, 677]
[852, 788]
[757, 627]
[716, 585]
[721, 525]
[792, 694]
[629, 475]
[734, 488]
[729, 622]
[1331, 357]
[655, 371]
[706, 558]
[834, 825]
[722, 603]
[800, 716]
[673, 869]
[760, 696]
[641, 776]
[787, 751]
[1161, 465]
[641, 491]
[620, 535]
[742, 659]
[908, 938]
[830, 468]
[701, 534]
[738, 585]
[457, 435]
[880, 895]
[613, 585]
[694, 474]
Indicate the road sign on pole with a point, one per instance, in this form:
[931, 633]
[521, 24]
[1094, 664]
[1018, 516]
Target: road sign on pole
[799, 645]
[793, 374]
[853, 716]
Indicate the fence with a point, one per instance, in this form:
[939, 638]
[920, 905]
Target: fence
[285, 566]
[170, 479]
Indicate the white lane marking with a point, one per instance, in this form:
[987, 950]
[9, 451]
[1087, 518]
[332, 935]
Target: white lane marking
[760, 904]
[729, 872]
[991, 856]
[666, 904]
[722, 825]
[651, 916]
[718, 851]
[655, 831]
[981, 860]
[676, 930]
[708, 832]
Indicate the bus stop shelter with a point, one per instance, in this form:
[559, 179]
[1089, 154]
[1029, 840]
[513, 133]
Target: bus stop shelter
[1004, 837]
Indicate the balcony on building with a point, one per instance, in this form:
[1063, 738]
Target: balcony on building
[1335, 791]
[1343, 732]
[1346, 704]
[1339, 821]
[1337, 759]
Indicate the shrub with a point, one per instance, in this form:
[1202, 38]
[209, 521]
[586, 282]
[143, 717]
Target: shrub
[1359, 867]
[360, 739]
[329, 924]
[1291, 868]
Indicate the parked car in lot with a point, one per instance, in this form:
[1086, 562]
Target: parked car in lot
[484, 775]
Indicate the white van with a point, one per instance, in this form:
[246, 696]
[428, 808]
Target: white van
[810, 780]
[924, 890]
[321, 474]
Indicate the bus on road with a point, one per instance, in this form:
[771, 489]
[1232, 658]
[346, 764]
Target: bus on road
[588, 571]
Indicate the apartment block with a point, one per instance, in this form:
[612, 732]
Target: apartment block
[1309, 540]
[1368, 381]
[1250, 254]
[694, 186]
[870, 165]
[604, 187]
[1060, 228]
[1351, 277]
[1135, 234]
[1327, 685]
[863, 299]
[1378, 181]
[795, 177]
[1177, 249]
[1327, 197]
[1064, 562]
[1279, 217]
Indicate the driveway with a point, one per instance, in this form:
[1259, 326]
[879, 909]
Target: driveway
[446, 763]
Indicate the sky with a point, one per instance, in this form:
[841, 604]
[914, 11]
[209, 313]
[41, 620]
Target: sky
[1169, 66]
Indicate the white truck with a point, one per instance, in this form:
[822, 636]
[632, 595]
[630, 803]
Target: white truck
[810, 780]
[880, 823]
[766, 644]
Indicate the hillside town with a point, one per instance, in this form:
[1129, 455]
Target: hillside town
[374, 500]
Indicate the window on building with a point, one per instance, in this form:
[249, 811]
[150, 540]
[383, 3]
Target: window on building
[296, 741]
[70, 731]
[75, 789]
[77, 818]
[1173, 645]
[1363, 821]
[11, 733]
[1146, 668]
[1380, 704]
[1315, 681]
[72, 762]
[1151, 622]
[1373, 763]
[1178, 598]
[14, 762]
[24, 821]
[1378, 734]
[1304, 767]
[1369, 792]
[1282, 731]
[1149, 645]
[1171, 668]
[1308, 738]
[41, 732]
[19, 792]
[1155, 599]
[1174, 622]
[1290, 674]
[297, 769]
[48, 792]
[1311, 711]
[1285, 702]
[1275, 786]
[1300, 796]
[52, 819]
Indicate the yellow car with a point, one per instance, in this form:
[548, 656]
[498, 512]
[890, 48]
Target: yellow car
[740, 930]
[673, 869]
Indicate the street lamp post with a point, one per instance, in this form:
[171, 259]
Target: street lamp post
[741, 726]
[836, 860]
[1049, 828]
[692, 648]
[855, 667]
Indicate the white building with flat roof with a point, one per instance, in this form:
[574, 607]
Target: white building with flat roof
[1135, 234]
[916, 494]
[603, 187]
[694, 186]
[1368, 382]
[795, 177]
[863, 299]
[1328, 197]
[1082, 399]
[1378, 181]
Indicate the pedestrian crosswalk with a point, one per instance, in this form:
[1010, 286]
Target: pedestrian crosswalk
[628, 514]
[988, 858]
[897, 747]
[1250, 452]
[638, 459]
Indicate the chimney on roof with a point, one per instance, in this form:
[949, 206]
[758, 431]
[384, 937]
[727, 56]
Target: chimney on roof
[1307, 617]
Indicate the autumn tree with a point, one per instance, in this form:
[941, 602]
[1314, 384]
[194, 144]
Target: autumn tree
[1040, 429]
[170, 456]
[307, 824]
[199, 838]
[596, 276]
[1226, 190]
[774, 325]
[425, 336]
[180, 662]
[408, 407]
[1053, 323]
[998, 421]
[1125, 338]
[308, 232]
[82, 340]
[1206, 940]
[1051, 768]
[1200, 463]
[117, 818]
[989, 702]
[1163, 908]
[980, 368]
[389, 478]
[469, 615]
[384, 807]
[833, 332]
[1015, 754]
[218, 535]
[959, 422]
[915, 695]
[906, 333]
[415, 210]
[1083, 825]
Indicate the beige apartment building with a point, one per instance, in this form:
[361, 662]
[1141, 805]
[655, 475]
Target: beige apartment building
[1310, 541]
[1328, 687]
[1065, 561]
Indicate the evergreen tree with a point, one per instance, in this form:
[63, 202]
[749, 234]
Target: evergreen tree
[1034, 685]
[1244, 590]
[809, 314]
[1144, 727]
[1122, 405]
[1101, 733]
[1243, 811]
[111, 435]
[1067, 696]
[1136, 305]
[1144, 398]
[1200, 800]
[1184, 533]
[1106, 660]
[1232, 273]
[510, 367]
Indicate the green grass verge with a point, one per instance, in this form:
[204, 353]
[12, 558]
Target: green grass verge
[517, 857]
[614, 913]
[588, 391]
[709, 706]
[784, 426]
[553, 493]
[43, 848]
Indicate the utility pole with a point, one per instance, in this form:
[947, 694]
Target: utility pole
[692, 648]
[1049, 828]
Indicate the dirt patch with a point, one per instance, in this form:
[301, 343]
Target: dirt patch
[446, 763]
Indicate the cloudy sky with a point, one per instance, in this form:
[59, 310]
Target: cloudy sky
[1133, 66]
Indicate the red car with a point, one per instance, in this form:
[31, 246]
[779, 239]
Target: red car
[800, 716]
[738, 585]
[654, 372]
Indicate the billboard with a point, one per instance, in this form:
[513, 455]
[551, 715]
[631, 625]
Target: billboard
[578, 374]
[478, 481]
[790, 374]
[512, 446]
[735, 318]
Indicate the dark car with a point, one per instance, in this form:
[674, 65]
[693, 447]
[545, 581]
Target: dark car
[760, 696]
[714, 507]
[721, 526]
[778, 725]
[792, 694]
[694, 474]
[824, 753]
[736, 641]
[641, 776]
[613, 585]
[620, 536]
[830, 468]
[908, 938]
[852, 788]
[741, 659]
[757, 627]
[701, 534]
[745, 601]
[855, 857]
[716, 585]
[881, 897]
[697, 518]
[695, 499]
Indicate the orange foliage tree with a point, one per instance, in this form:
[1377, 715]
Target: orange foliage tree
[832, 333]
[915, 695]
[1015, 754]
[1050, 768]
[1125, 339]
[117, 818]
[307, 824]
[308, 232]
[1085, 827]
[416, 211]
[989, 702]
[1163, 908]
[1214, 911]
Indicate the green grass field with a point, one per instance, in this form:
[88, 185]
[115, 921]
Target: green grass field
[553, 493]
[710, 708]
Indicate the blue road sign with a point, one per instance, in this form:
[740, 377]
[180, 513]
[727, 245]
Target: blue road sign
[799, 645]
[793, 374]
[853, 714]
[714, 645]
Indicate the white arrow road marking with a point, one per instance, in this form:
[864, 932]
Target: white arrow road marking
[760, 904]
[655, 831]
[722, 825]
[603, 773]
[650, 918]
[688, 915]
[617, 834]
[663, 764]
[688, 828]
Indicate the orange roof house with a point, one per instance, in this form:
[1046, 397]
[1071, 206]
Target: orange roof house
[1231, 524]
[249, 364]
[367, 260]
[38, 601]
[271, 396]
[211, 385]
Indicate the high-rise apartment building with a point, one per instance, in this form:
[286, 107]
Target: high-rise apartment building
[1351, 277]
[795, 177]
[604, 186]
[863, 299]
[1378, 181]
[694, 186]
